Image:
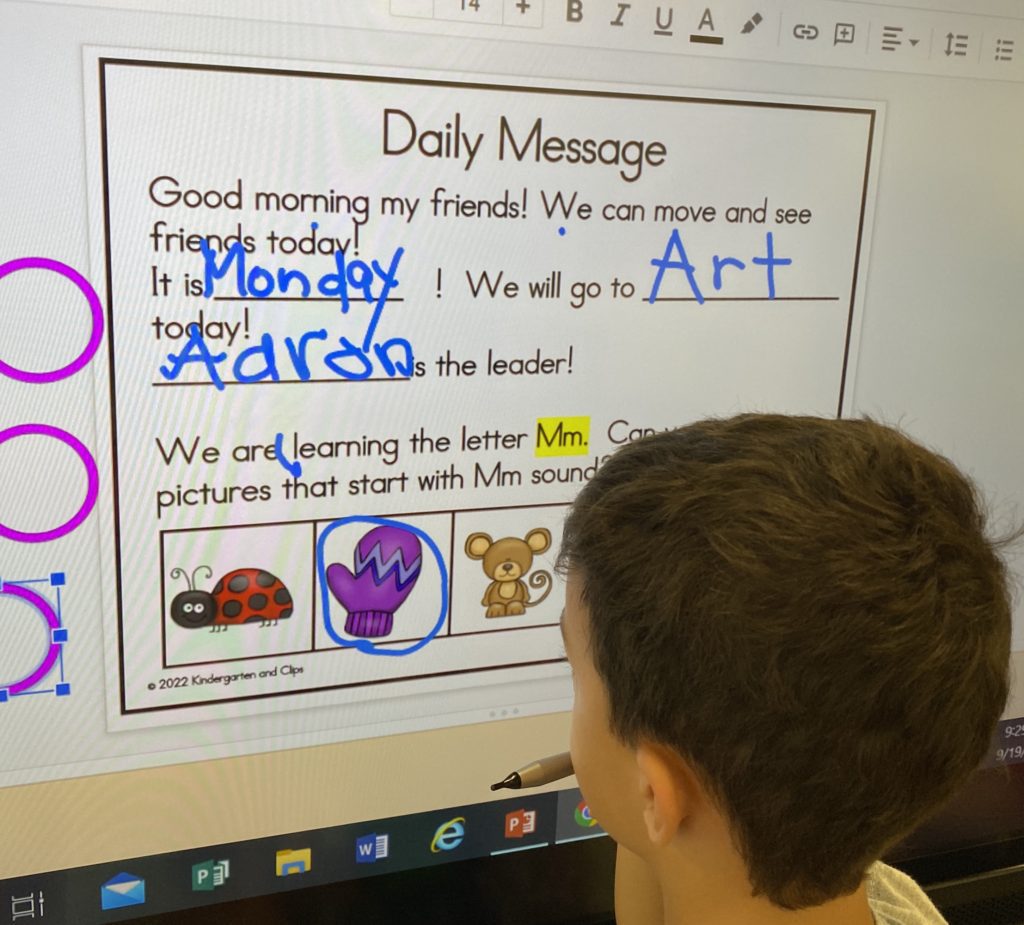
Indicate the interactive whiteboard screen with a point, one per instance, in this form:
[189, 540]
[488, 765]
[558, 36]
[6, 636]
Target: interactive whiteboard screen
[315, 317]
[355, 375]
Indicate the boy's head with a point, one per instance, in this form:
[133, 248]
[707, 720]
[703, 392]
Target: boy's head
[808, 613]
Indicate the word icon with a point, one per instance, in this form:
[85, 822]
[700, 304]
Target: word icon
[371, 848]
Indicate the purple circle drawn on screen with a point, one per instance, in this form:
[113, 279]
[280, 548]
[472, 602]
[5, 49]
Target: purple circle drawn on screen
[53, 652]
[91, 493]
[61, 269]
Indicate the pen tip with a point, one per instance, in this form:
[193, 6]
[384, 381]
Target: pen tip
[512, 782]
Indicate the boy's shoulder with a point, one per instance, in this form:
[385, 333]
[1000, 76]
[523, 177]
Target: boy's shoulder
[895, 899]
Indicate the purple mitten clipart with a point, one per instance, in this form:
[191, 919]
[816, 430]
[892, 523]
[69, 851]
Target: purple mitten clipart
[387, 564]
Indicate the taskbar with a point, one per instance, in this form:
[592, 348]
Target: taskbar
[124, 890]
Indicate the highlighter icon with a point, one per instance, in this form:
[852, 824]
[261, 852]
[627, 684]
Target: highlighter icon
[294, 861]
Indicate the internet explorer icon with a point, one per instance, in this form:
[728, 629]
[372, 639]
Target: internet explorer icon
[449, 835]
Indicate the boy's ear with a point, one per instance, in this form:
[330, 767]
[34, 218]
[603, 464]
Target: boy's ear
[666, 792]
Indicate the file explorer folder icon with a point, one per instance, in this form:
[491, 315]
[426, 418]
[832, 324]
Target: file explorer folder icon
[294, 861]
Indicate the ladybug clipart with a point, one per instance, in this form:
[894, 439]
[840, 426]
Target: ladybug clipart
[243, 595]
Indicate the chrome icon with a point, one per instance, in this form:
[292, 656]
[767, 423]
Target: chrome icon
[583, 817]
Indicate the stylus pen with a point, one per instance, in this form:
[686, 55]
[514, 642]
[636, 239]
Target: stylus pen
[537, 773]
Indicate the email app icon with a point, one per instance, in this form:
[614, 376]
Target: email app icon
[122, 890]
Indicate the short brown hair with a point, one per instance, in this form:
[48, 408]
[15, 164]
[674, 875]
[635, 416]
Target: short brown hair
[810, 612]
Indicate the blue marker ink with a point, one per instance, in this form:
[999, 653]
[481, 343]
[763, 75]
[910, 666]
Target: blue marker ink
[403, 367]
[259, 362]
[236, 252]
[297, 353]
[349, 351]
[770, 262]
[260, 283]
[720, 262]
[675, 244]
[293, 468]
[390, 279]
[264, 351]
[195, 351]
[676, 258]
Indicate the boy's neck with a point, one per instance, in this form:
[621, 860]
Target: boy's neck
[721, 896]
[686, 910]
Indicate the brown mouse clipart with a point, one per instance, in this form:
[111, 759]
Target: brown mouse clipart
[507, 562]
